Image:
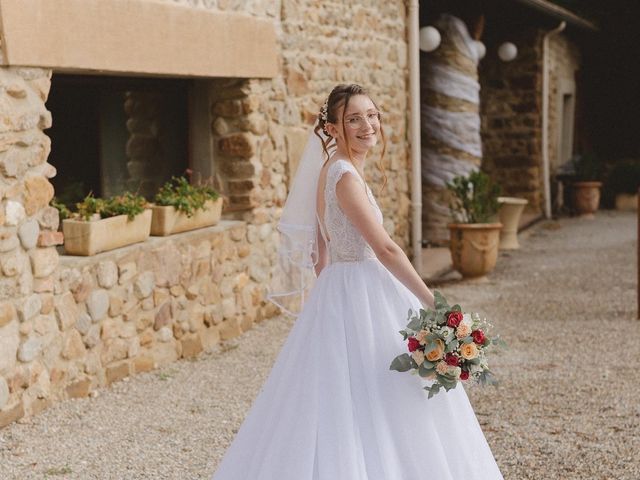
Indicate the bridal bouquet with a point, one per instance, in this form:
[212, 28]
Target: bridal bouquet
[448, 346]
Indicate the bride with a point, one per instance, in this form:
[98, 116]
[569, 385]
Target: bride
[331, 409]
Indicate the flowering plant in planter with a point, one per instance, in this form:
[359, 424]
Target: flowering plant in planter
[474, 235]
[181, 206]
[185, 197]
[474, 199]
[104, 224]
[586, 186]
[92, 208]
[587, 167]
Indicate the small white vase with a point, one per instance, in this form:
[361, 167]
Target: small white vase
[509, 213]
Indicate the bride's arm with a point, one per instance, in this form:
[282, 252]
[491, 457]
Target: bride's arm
[354, 202]
[322, 253]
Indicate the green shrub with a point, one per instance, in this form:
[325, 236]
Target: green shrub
[128, 204]
[624, 177]
[587, 167]
[475, 198]
[184, 196]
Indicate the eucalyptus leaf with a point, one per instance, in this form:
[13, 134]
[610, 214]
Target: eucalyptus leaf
[439, 301]
[402, 363]
[424, 371]
[451, 346]
[415, 324]
[430, 346]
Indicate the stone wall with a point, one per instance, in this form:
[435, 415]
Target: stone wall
[564, 56]
[129, 311]
[28, 235]
[69, 325]
[511, 110]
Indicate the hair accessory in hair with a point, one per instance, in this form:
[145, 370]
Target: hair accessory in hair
[324, 111]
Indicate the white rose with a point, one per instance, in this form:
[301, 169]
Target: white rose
[446, 331]
[467, 319]
[475, 368]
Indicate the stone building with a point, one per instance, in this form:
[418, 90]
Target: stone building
[133, 91]
[514, 103]
[128, 94]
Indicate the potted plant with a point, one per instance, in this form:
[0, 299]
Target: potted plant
[509, 214]
[100, 224]
[587, 184]
[622, 183]
[474, 236]
[180, 206]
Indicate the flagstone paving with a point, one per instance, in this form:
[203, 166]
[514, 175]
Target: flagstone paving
[568, 406]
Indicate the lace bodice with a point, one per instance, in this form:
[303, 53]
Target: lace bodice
[346, 244]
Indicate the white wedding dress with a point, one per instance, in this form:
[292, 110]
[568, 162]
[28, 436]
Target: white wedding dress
[330, 408]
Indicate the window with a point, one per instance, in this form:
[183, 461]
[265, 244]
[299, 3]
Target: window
[112, 134]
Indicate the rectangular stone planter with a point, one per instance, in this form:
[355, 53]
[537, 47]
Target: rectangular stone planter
[168, 220]
[88, 238]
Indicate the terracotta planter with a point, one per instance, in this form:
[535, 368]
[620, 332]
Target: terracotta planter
[509, 213]
[474, 247]
[586, 197]
[627, 202]
[168, 220]
[91, 237]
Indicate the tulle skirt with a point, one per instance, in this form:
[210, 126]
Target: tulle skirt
[331, 409]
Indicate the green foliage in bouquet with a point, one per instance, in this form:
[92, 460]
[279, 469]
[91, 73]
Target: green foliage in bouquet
[475, 198]
[446, 346]
[185, 197]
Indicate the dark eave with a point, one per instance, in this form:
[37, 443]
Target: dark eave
[555, 11]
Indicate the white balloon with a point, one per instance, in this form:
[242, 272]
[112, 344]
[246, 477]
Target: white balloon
[429, 39]
[507, 51]
[480, 49]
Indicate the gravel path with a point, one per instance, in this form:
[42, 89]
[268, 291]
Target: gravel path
[568, 406]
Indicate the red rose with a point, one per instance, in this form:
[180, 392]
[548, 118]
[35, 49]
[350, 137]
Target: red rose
[413, 344]
[478, 336]
[464, 375]
[454, 319]
[452, 359]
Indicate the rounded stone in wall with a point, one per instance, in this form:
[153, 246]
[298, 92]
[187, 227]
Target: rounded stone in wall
[29, 349]
[28, 233]
[4, 392]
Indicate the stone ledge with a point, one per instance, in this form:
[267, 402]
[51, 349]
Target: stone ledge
[151, 243]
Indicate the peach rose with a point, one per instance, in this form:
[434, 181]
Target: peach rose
[418, 356]
[436, 353]
[421, 335]
[469, 351]
[442, 368]
[463, 330]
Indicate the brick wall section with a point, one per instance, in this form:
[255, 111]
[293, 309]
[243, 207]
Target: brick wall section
[511, 112]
